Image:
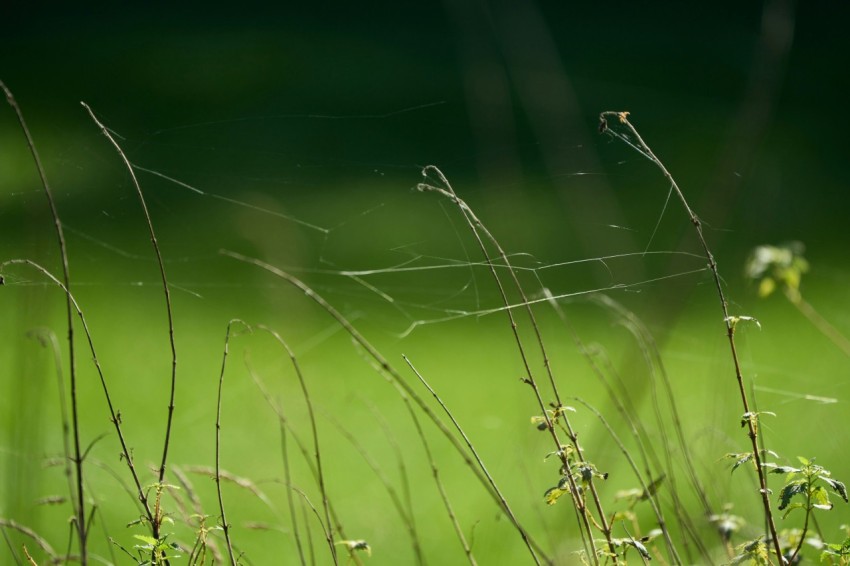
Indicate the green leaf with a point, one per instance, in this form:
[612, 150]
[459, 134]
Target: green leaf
[820, 498]
[790, 490]
[792, 507]
[784, 470]
[638, 545]
[837, 486]
[742, 460]
[553, 494]
[146, 539]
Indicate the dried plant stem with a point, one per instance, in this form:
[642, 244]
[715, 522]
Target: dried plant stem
[634, 423]
[650, 496]
[48, 338]
[396, 378]
[315, 512]
[166, 290]
[435, 472]
[79, 501]
[114, 416]
[39, 540]
[655, 364]
[470, 446]
[402, 470]
[479, 228]
[643, 148]
[287, 476]
[225, 527]
[317, 453]
[310, 460]
[396, 499]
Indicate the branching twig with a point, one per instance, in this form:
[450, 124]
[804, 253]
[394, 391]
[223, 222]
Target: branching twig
[166, 290]
[115, 416]
[478, 229]
[225, 527]
[79, 501]
[402, 386]
[639, 145]
[316, 450]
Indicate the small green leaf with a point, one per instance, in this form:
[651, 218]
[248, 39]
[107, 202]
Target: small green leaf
[790, 490]
[837, 486]
[792, 507]
[553, 494]
[820, 496]
[742, 459]
[784, 470]
[353, 545]
[146, 539]
[638, 545]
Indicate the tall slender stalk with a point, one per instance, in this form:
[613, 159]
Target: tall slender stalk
[317, 453]
[166, 290]
[79, 501]
[478, 228]
[641, 147]
[114, 415]
[403, 388]
[225, 527]
[435, 472]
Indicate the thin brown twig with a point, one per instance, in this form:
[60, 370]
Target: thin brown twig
[314, 429]
[396, 499]
[401, 385]
[286, 428]
[655, 364]
[478, 228]
[39, 540]
[166, 290]
[225, 527]
[435, 472]
[79, 502]
[114, 415]
[640, 145]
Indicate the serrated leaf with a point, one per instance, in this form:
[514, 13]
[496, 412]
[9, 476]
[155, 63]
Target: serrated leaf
[837, 486]
[742, 460]
[553, 494]
[789, 491]
[784, 470]
[820, 497]
[146, 539]
[640, 548]
[792, 507]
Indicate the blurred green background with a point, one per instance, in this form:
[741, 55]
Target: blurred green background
[303, 130]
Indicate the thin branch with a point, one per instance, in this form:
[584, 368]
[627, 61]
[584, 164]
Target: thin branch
[478, 228]
[224, 524]
[165, 288]
[79, 503]
[388, 487]
[435, 472]
[114, 415]
[316, 450]
[470, 446]
[401, 385]
[641, 146]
